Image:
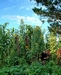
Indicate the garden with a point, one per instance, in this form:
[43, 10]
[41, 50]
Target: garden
[20, 51]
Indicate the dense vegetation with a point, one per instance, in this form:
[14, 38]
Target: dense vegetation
[20, 51]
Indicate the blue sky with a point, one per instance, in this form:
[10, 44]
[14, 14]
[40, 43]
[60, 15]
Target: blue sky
[13, 10]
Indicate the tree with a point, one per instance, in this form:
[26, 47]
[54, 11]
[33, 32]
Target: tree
[50, 9]
[52, 44]
[4, 42]
[38, 44]
[55, 28]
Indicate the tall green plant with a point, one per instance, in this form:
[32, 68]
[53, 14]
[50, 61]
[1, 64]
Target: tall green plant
[52, 44]
[38, 44]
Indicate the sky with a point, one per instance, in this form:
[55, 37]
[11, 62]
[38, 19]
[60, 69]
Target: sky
[13, 11]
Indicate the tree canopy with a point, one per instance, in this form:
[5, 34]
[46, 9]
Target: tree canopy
[51, 9]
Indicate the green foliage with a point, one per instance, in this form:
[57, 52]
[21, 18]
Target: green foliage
[55, 27]
[20, 59]
[59, 42]
[50, 9]
[35, 68]
[51, 41]
[13, 43]
[38, 40]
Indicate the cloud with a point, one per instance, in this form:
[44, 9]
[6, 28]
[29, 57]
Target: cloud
[28, 8]
[11, 7]
[27, 19]
[25, 7]
[22, 7]
[13, 17]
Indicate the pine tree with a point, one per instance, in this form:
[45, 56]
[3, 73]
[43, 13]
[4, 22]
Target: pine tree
[50, 9]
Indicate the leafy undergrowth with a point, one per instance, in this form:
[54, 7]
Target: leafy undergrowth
[36, 68]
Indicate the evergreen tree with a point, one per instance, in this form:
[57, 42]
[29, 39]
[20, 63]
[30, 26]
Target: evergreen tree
[50, 9]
